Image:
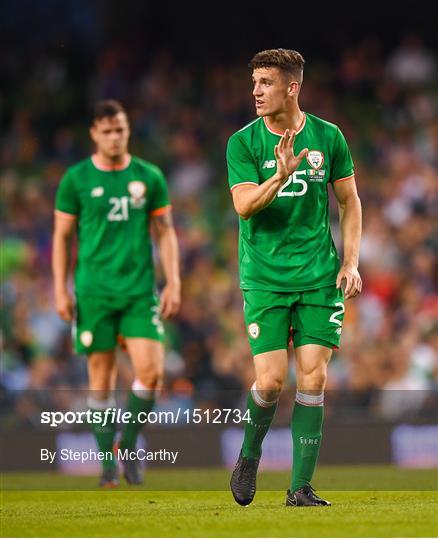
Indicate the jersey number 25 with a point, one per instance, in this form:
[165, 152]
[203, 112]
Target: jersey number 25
[294, 178]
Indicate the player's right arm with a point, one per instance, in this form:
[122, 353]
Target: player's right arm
[250, 197]
[66, 212]
[62, 236]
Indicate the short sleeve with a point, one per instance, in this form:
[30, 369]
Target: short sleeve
[241, 165]
[160, 194]
[342, 164]
[67, 199]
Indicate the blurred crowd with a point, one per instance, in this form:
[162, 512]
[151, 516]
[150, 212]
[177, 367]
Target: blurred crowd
[385, 102]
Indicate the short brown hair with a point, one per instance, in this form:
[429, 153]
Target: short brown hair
[107, 108]
[284, 59]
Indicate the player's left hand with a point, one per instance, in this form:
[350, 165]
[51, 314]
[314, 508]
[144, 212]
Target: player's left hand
[170, 301]
[353, 281]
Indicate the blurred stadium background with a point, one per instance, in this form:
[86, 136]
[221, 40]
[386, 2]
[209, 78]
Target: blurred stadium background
[181, 73]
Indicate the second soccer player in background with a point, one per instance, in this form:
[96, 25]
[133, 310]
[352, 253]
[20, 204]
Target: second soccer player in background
[113, 201]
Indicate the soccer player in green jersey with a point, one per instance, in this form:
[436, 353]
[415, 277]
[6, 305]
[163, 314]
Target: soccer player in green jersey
[280, 167]
[114, 201]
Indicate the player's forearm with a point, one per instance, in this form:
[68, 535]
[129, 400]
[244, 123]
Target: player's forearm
[168, 250]
[60, 261]
[350, 213]
[255, 199]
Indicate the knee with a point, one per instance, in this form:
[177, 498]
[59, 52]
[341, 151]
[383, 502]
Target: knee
[269, 386]
[150, 378]
[100, 380]
[313, 378]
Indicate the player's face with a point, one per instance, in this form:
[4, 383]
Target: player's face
[111, 135]
[272, 90]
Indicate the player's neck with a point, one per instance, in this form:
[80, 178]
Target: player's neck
[293, 120]
[106, 163]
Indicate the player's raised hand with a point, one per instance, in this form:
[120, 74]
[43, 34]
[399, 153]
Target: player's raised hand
[170, 301]
[353, 281]
[287, 162]
[64, 305]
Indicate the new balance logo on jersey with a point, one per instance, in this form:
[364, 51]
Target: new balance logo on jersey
[97, 191]
[269, 164]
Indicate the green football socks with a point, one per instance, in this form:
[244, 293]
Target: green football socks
[135, 406]
[306, 426]
[261, 413]
[104, 434]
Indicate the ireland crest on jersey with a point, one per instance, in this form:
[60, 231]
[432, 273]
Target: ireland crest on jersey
[137, 191]
[315, 159]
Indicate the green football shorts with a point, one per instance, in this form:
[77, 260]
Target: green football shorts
[274, 319]
[101, 319]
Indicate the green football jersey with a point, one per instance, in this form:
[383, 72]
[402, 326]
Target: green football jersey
[113, 209]
[288, 246]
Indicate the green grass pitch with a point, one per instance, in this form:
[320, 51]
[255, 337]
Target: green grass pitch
[388, 505]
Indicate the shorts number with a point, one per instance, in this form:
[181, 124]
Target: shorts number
[156, 321]
[333, 318]
[119, 210]
[293, 178]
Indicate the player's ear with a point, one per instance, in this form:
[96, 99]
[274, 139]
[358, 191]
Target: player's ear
[93, 132]
[128, 126]
[293, 88]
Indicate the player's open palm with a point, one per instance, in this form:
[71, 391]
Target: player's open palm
[287, 162]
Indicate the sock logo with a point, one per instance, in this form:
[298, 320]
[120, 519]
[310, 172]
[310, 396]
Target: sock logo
[254, 330]
[304, 440]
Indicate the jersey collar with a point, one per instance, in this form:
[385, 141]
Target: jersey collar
[280, 134]
[101, 167]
